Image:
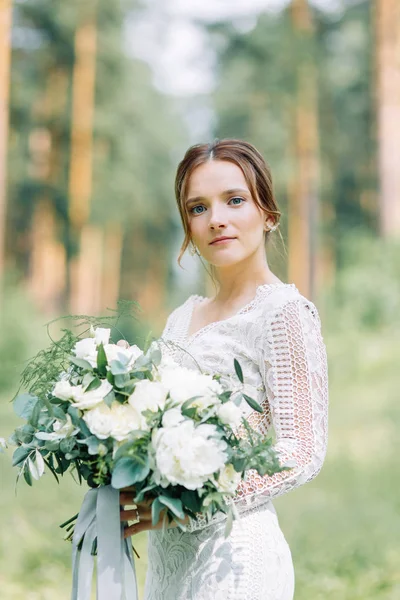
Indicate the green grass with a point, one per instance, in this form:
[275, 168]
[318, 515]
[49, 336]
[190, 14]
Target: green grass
[343, 528]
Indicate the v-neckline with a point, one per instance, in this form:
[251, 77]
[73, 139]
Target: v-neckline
[195, 297]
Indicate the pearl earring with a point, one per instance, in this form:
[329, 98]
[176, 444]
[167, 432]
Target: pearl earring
[274, 227]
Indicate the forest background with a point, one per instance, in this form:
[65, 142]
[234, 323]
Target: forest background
[89, 144]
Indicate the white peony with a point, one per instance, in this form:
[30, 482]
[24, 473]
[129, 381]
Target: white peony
[187, 455]
[116, 422]
[230, 414]
[172, 417]
[102, 336]
[85, 400]
[86, 349]
[228, 480]
[63, 390]
[147, 395]
[184, 383]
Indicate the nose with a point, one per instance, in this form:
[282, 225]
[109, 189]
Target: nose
[217, 220]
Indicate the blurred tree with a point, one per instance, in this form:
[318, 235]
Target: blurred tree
[303, 208]
[95, 184]
[260, 73]
[387, 22]
[5, 53]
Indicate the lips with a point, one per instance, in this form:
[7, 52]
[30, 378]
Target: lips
[222, 238]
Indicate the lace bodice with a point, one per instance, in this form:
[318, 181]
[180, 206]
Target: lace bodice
[277, 339]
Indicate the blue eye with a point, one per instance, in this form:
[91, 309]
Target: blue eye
[192, 210]
[237, 198]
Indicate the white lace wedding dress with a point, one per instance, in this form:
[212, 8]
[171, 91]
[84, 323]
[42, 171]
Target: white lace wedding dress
[277, 340]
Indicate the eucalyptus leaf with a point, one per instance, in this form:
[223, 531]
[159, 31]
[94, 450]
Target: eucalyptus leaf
[24, 405]
[174, 505]
[117, 368]
[109, 398]
[190, 499]
[20, 454]
[156, 508]
[128, 471]
[81, 362]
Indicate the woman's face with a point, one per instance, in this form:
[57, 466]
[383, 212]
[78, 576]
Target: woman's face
[219, 203]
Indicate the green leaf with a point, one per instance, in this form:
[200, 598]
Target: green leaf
[34, 418]
[156, 508]
[190, 499]
[20, 454]
[225, 396]
[24, 405]
[81, 362]
[238, 370]
[128, 471]
[189, 412]
[188, 402]
[27, 475]
[67, 444]
[174, 505]
[252, 403]
[94, 384]
[33, 469]
[101, 360]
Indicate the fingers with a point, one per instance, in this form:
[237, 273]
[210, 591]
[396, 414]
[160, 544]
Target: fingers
[131, 515]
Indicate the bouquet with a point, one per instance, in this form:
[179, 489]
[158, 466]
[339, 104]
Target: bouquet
[115, 416]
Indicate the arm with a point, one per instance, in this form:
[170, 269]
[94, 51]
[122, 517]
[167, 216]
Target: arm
[293, 365]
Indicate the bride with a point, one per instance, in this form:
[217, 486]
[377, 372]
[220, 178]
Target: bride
[228, 210]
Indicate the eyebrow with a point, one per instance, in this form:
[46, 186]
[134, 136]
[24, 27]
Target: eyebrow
[224, 193]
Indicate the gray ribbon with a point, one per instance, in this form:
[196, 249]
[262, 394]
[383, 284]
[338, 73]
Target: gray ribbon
[99, 520]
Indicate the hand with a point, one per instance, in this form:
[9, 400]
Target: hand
[144, 510]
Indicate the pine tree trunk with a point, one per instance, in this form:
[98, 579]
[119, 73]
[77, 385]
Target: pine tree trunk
[387, 18]
[303, 189]
[47, 259]
[5, 59]
[86, 266]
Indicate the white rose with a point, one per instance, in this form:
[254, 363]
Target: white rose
[148, 395]
[116, 422]
[187, 455]
[102, 336]
[63, 390]
[228, 480]
[172, 417]
[184, 383]
[86, 349]
[125, 355]
[230, 414]
[85, 400]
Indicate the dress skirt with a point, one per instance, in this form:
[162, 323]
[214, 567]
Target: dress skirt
[253, 563]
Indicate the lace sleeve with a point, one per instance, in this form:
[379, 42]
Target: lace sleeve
[293, 364]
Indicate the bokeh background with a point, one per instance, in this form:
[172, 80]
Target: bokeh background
[98, 102]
